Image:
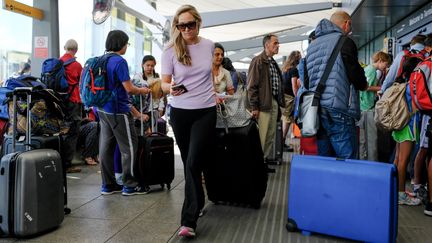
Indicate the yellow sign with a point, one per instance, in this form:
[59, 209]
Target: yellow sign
[21, 8]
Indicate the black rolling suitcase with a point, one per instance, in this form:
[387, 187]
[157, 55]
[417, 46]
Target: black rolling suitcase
[237, 173]
[31, 188]
[36, 142]
[155, 159]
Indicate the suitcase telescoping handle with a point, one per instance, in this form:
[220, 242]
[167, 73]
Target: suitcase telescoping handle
[141, 121]
[21, 91]
[153, 118]
[153, 121]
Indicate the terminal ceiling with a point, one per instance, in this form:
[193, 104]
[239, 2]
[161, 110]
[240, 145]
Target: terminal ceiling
[221, 20]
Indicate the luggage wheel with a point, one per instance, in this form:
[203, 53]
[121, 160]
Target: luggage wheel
[67, 211]
[291, 225]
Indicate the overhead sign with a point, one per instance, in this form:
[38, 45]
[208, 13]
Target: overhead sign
[40, 46]
[414, 21]
[24, 9]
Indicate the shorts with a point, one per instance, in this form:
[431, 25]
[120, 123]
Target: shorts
[410, 132]
[287, 112]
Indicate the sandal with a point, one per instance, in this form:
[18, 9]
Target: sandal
[90, 161]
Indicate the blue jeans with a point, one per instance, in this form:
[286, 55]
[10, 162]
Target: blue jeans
[337, 135]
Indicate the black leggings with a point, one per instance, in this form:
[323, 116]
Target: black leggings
[194, 132]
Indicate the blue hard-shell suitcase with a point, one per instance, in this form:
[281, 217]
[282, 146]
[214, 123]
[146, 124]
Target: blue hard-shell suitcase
[345, 198]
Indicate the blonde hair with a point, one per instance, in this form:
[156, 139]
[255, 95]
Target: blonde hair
[292, 61]
[177, 41]
[156, 89]
[71, 45]
[381, 56]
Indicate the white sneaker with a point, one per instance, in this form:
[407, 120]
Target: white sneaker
[404, 199]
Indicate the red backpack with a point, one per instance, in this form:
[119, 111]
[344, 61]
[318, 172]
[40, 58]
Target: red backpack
[421, 85]
[408, 55]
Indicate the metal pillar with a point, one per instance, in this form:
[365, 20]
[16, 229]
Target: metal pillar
[47, 27]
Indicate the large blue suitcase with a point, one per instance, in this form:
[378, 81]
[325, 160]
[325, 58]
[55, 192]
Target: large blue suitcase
[345, 198]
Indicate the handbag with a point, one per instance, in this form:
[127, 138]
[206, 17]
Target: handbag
[232, 112]
[309, 100]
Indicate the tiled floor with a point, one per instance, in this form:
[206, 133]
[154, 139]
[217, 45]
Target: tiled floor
[155, 217]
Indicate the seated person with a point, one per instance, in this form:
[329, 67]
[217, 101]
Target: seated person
[88, 138]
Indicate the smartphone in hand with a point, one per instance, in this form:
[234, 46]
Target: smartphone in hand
[179, 87]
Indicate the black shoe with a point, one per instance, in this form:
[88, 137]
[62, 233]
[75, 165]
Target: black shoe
[269, 170]
[288, 149]
[428, 209]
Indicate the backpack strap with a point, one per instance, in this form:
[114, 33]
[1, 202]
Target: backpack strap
[69, 61]
[321, 86]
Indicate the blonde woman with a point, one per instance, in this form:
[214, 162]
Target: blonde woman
[187, 59]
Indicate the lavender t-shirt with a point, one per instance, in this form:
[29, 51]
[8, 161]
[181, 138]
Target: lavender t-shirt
[196, 78]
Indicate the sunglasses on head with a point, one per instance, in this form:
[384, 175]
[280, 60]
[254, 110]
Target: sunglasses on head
[189, 25]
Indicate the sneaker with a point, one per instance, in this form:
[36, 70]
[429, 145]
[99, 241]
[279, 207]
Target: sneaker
[405, 199]
[411, 194]
[186, 232]
[428, 209]
[422, 194]
[111, 189]
[138, 190]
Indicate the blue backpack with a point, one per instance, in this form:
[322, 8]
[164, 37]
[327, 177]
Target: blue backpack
[94, 82]
[53, 74]
[23, 81]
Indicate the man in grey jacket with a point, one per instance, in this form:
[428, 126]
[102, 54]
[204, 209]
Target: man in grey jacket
[265, 91]
[339, 104]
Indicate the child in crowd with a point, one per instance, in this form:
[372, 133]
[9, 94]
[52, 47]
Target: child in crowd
[368, 129]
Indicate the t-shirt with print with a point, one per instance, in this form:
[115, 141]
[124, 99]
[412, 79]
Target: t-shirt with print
[118, 72]
[367, 98]
[197, 78]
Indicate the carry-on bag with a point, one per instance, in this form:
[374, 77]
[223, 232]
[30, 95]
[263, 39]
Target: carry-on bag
[31, 188]
[236, 172]
[18, 142]
[346, 198]
[308, 145]
[51, 141]
[155, 159]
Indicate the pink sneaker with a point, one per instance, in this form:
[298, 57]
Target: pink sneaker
[186, 232]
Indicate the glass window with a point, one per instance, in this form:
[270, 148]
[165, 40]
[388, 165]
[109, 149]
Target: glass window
[139, 37]
[15, 42]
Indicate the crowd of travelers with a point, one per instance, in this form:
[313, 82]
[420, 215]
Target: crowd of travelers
[347, 105]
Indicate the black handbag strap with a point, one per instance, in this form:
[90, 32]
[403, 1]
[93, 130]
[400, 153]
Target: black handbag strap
[329, 66]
